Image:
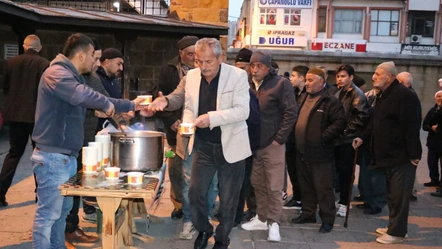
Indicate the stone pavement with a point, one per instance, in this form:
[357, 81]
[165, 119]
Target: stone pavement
[424, 229]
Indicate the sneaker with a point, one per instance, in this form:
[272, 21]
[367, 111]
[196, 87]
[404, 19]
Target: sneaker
[255, 224]
[342, 210]
[274, 232]
[188, 231]
[292, 204]
[284, 195]
[91, 218]
[383, 231]
[388, 239]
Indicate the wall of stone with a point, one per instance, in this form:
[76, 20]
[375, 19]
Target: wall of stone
[214, 12]
[145, 55]
[425, 70]
[205, 11]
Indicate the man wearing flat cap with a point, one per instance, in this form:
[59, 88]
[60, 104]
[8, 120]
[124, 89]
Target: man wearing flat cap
[321, 120]
[170, 76]
[278, 111]
[393, 133]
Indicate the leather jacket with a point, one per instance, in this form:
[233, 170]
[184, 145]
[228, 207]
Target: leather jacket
[357, 112]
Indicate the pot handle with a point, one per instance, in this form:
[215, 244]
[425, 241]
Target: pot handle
[127, 140]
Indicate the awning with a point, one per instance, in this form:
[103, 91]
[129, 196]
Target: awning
[51, 17]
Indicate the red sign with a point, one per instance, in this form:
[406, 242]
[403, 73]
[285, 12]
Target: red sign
[339, 46]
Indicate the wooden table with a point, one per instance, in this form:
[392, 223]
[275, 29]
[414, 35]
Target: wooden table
[115, 198]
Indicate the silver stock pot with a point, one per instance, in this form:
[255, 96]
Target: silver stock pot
[137, 151]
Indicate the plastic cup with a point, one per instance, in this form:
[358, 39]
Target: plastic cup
[187, 128]
[89, 159]
[105, 139]
[99, 145]
[147, 101]
[112, 173]
[135, 178]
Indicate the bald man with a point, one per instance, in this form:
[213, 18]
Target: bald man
[21, 79]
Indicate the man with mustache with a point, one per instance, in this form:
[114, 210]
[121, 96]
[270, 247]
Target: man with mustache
[109, 72]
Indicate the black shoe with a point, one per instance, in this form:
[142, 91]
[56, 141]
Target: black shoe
[302, 220]
[220, 245]
[436, 194]
[325, 227]
[363, 206]
[413, 198]
[431, 184]
[248, 215]
[292, 204]
[3, 204]
[359, 198]
[177, 214]
[201, 240]
[372, 211]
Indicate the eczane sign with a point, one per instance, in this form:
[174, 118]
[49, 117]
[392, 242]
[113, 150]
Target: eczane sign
[330, 45]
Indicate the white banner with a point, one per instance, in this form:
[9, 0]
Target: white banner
[298, 4]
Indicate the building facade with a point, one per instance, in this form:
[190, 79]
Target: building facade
[355, 26]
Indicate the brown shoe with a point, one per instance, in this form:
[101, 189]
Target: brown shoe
[80, 236]
[69, 245]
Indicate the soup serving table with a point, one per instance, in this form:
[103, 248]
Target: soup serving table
[115, 199]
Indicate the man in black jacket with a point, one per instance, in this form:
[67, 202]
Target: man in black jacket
[278, 111]
[298, 82]
[357, 114]
[21, 79]
[170, 76]
[321, 120]
[394, 136]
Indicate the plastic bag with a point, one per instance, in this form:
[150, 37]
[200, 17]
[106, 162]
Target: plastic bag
[107, 128]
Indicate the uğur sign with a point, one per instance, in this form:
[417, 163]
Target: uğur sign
[330, 45]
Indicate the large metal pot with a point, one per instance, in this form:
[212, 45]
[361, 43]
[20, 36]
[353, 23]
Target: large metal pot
[137, 151]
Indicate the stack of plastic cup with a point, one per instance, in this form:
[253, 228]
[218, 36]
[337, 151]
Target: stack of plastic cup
[89, 159]
[105, 139]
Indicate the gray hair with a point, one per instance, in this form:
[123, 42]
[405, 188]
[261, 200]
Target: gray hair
[212, 43]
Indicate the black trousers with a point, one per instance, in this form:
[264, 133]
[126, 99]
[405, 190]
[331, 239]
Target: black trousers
[400, 181]
[208, 160]
[433, 159]
[72, 220]
[316, 184]
[247, 194]
[19, 135]
[290, 157]
[344, 159]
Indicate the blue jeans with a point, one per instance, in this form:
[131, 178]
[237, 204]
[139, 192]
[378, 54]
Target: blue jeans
[211, 194]
[51, 170]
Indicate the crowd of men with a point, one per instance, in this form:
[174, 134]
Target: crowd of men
[252, 128]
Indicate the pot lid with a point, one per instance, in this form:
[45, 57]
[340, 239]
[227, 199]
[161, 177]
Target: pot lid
[136, 134]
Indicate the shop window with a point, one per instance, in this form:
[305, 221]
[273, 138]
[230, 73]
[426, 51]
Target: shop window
[348, 22]
[322, 19]
[384, 23]
[292, 17]
[268, 17]
[421, 23]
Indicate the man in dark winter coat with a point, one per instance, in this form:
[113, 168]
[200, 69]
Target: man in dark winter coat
[278, 110]
[321, 120]
[394, 136]
[21, 79]
[170, 76]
